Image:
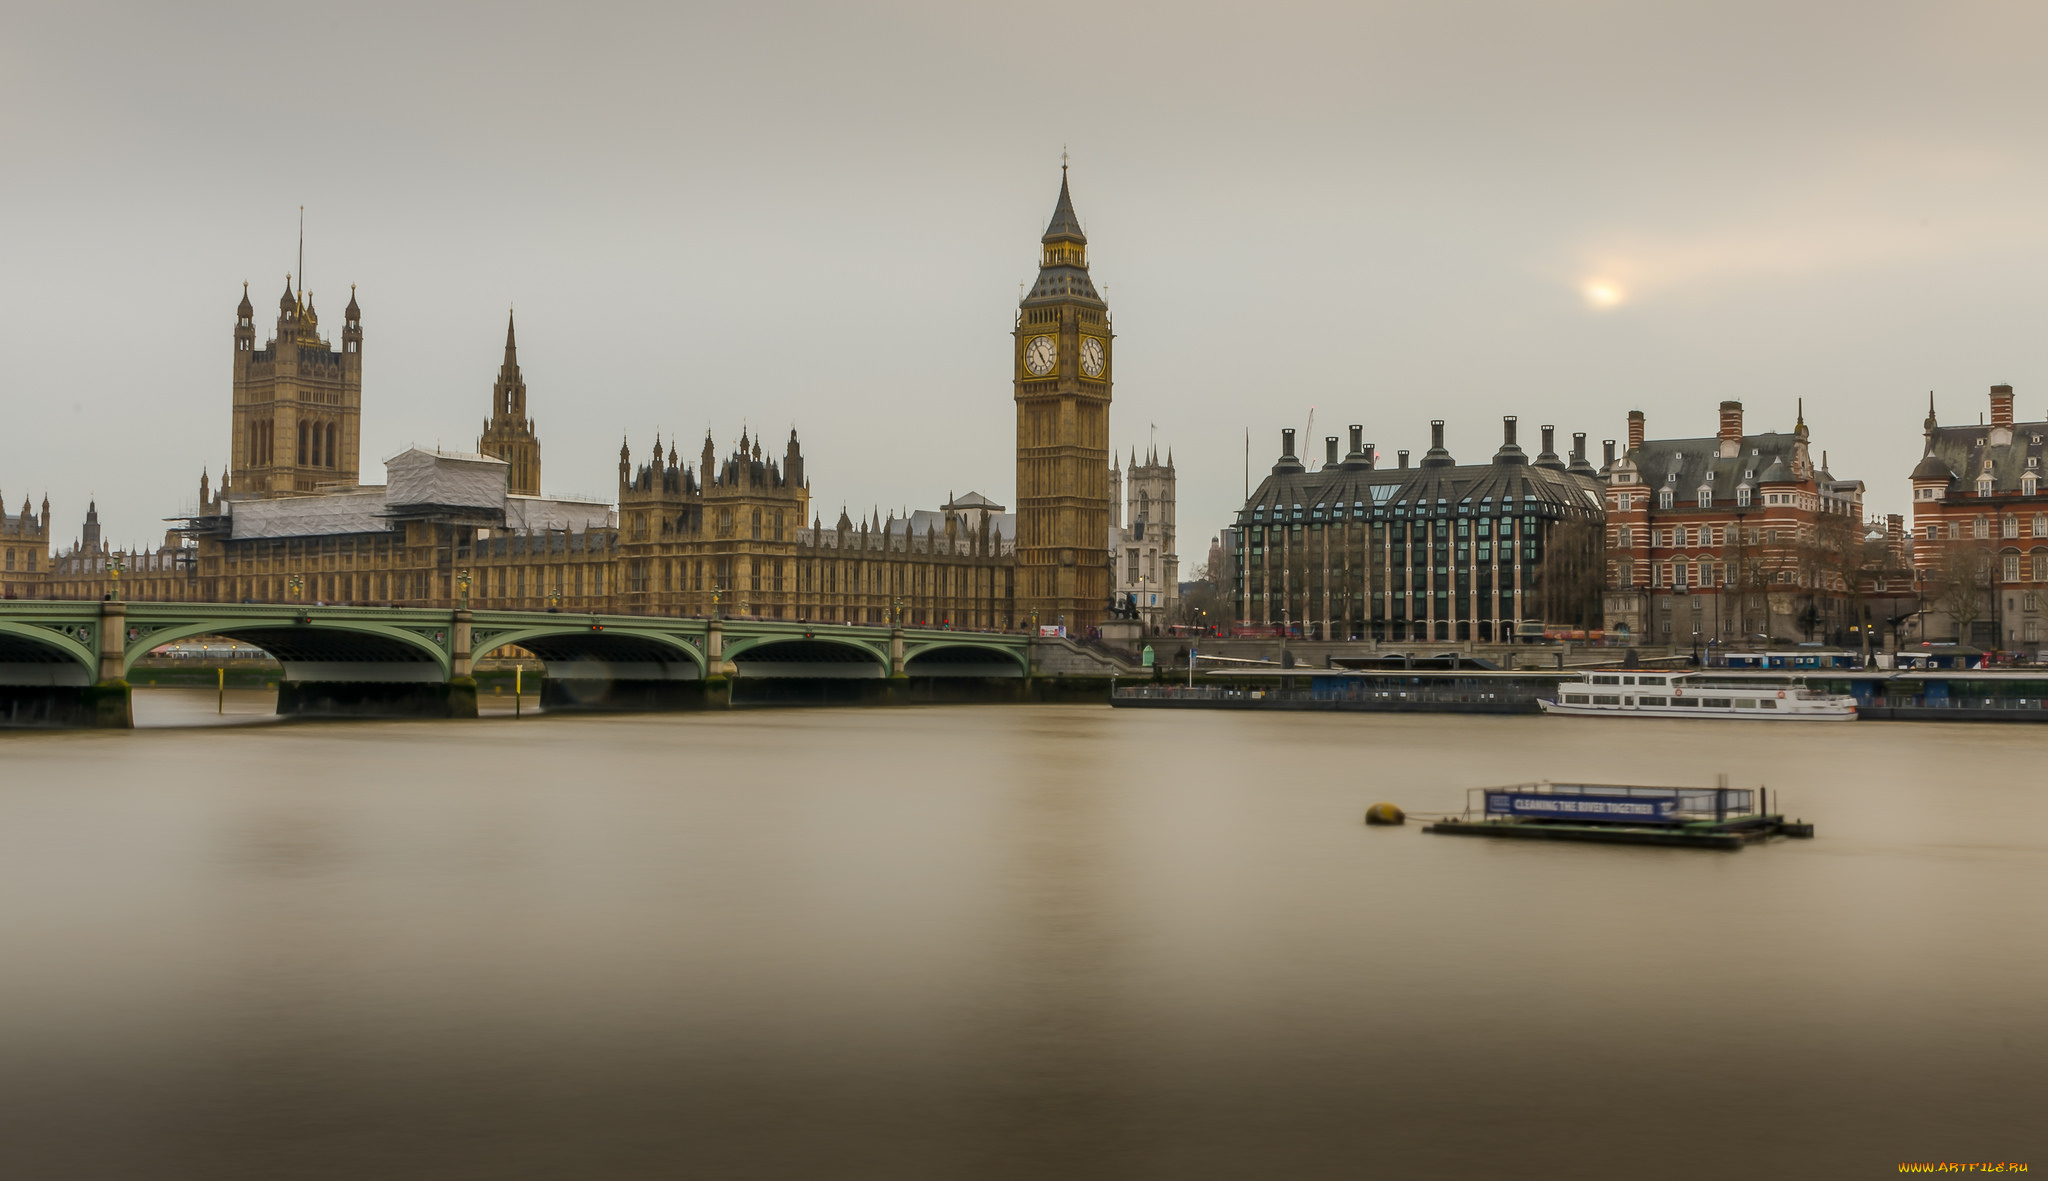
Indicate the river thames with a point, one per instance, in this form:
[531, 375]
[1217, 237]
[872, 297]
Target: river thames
[1003, 942]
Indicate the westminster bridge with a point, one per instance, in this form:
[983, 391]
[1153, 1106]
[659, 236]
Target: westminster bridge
[67, 662]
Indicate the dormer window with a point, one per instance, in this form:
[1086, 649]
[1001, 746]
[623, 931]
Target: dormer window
[1984, 486]
[1706, 497]
[2028, 484]
[1664, 498]
[1742, 496]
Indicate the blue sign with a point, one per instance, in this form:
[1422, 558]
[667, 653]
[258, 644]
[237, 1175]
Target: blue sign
[1583, 809]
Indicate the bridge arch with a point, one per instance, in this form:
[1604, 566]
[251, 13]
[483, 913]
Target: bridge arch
[320, 649]
[32, 655]
[963, 658]
[607, 654]
[818, 657]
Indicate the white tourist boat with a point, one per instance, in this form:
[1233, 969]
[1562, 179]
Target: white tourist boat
[1683, 695]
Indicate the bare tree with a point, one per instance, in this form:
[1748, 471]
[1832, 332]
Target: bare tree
[1962, 585]
[1572, 572]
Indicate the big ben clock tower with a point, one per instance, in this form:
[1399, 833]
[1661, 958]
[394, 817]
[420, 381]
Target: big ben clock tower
[1063, 369]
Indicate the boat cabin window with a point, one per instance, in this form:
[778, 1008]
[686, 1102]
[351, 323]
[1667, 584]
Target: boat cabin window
[1745, 703]
[1606, 699]
[1575, 699]
[1606, 680]
[1652, 680]
[1714, 702]
[1651, 700]
[1692, 701]
[1767, 703]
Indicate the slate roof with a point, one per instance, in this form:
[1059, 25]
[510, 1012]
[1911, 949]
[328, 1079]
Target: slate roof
[1352, 491]
[1684, 464]
[1964, 451]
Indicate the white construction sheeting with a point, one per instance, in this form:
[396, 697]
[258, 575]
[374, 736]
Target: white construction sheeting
[446, 479]
[359, 510]
[534, 514]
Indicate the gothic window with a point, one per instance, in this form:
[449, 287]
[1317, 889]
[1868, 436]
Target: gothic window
[757, 525]
[302, 442]
[331, 449]
[778, 536]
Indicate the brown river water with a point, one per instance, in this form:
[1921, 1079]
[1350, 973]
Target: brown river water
[1006, 942]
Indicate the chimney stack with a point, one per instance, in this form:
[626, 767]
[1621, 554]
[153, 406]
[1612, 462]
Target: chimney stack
[1404, 458]
[1607, 454]
[1578, 446]
[1329, 451]
[1635, 429]
[1731, 429]
[1436, 434]
[1507, 431]
[2001, 405]
[1357, 433]
[1370, 452]
[1287, 442]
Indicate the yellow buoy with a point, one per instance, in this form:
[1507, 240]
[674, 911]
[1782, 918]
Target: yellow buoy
[1385, 814]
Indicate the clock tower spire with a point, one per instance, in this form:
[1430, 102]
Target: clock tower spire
[1061, 373]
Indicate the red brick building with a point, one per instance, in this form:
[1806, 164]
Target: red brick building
[1739, 539]
[1980, 530]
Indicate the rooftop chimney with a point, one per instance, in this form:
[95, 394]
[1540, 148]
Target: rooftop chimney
[1548, 456]
[1578, 463]
[1371, 453]
[1635, 430]
[1404, 458]
[1288, 462]
[1606, 454]
[1509, 452]
[1436, 456]
[1329, 451]
[1731, 429]
[2001, 405]
[1357, 457]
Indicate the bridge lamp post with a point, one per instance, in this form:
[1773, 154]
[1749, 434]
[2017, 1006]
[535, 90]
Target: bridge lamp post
[896, 606]
[554, 600]
[717, 593]
[296, 585]
[114, 573]
[462, 584]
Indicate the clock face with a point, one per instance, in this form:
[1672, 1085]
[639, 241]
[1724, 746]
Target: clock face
[1091, 356]
[1039, 354]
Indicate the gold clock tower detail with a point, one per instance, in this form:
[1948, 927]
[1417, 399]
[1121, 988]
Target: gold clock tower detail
[1063, 366]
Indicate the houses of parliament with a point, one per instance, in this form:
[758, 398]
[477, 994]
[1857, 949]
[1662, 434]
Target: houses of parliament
[731, 531]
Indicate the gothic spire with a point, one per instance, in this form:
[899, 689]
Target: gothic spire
[1065, 225]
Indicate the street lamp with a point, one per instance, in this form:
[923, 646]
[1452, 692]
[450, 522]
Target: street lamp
[114, 573]
[297, 585]
[896, 608]
[462, 582]
[717, 593]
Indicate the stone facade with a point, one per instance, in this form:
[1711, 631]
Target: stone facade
[1143, 558]
[296, 424]
[24, 552]
[1063, 368]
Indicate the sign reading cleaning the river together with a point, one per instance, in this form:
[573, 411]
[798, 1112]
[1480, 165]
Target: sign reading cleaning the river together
[1603, 809]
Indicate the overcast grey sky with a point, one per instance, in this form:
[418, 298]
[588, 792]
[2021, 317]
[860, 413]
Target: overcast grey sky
[819, 215]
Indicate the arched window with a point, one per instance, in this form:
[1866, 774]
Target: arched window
[332, 450]
[757, 524]
[302, 441]
[778, 524]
